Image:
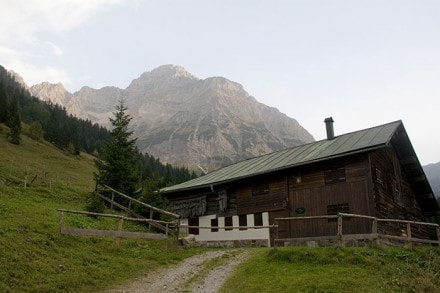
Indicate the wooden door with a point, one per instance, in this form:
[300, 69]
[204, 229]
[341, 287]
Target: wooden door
[308, 202]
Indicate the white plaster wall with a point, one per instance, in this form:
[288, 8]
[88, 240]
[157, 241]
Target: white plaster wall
[235, 234]
[184, 222]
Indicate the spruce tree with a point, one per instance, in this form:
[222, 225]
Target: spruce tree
[4, 103]
[13, 122]
[118, 165]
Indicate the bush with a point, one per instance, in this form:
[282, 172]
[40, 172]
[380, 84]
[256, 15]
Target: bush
[95, 204]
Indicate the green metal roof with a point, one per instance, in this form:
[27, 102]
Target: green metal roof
[342, 145]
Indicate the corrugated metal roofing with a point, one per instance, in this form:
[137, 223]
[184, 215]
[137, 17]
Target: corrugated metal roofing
[345, 144]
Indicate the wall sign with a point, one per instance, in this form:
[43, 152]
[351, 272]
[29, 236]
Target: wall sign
[300, 210]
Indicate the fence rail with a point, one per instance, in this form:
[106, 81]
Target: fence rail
[104, 188]
[141, 203]
[228, 227]
[341, 238]
[119, 233]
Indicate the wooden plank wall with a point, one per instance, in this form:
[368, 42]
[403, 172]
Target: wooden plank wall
[305, 187]
[212, 200]
[394, 197]
[315, 196]
[274, 200]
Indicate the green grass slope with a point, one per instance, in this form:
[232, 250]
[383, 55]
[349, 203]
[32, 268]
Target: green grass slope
[328, 269]
[34, 256]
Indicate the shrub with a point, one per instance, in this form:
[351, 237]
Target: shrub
[95, 204]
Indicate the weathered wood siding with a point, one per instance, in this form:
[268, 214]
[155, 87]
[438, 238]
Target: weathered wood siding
[273, 200]
[304, 192]
[312, 196]
[393, 196]
[212, 201]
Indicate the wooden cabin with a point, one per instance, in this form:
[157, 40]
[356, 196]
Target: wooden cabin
[373, 172]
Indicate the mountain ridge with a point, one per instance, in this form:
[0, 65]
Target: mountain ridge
[184, 120]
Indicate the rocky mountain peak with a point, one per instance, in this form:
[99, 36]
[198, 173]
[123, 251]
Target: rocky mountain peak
[57, 94]
[171, 71]
[17, 77]
[187, 121]
[224, 86]
[46, 91]
[166, 76]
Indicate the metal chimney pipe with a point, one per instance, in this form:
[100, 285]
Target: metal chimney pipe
[329, 128]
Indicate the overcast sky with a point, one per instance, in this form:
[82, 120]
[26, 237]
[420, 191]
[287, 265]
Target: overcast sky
[363, 62]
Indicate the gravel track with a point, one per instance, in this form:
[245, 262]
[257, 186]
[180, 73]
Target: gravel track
[177, 278]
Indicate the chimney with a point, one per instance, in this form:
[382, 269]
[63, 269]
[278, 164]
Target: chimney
[329, 127]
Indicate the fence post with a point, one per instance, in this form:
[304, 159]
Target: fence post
[113, 198]
[275, 234]
[151, 218]
[437, 230]
[408, 235]
[166, 237]
[374, 231]
[177, 231]
[339, 230]
[118, 239]
[61, 222]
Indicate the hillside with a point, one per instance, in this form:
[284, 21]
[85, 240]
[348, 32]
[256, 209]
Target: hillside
[35, 257]
[184, 120]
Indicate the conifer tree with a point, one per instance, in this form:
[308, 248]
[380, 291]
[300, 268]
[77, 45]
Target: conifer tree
[4, 103]
[13, 121]
[118, 165]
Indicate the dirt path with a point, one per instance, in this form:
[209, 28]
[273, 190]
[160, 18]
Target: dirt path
[200, 273]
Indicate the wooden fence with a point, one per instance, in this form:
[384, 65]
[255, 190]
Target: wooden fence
[104, 189]
[119, 233]
[374, 236]
[167, 227]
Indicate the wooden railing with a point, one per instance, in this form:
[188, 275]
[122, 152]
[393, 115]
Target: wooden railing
[228, 227]
[119, 233]
[129, 208]
[375, 236]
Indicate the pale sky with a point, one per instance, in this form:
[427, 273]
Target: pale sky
[363, 62]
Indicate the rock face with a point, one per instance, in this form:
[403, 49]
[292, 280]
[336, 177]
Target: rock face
[186, 121]
[432, 171]
[18, 79]
[57, 94]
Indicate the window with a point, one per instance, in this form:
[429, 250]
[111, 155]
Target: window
[193, 222]
[214, 223]
[261, 187]
[397, 195]
[258, 219]
[242, 221]
[338, 208]
[228, 223]
[334, 175]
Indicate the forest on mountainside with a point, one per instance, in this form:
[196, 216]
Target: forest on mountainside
[48, 121]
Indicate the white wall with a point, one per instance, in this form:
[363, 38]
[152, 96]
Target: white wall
[235, 234]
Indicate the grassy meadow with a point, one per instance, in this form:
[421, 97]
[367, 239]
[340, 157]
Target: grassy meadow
[328, 269]
[34, 256]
